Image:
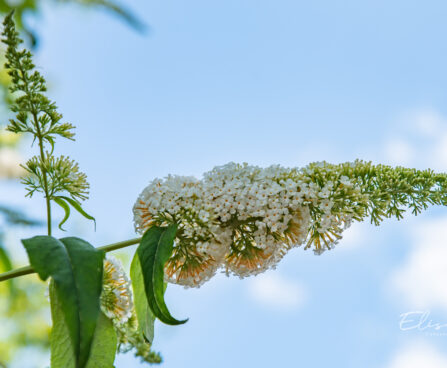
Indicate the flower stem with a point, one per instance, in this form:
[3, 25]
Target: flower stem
[44, 172]
[41, 148]
[29, 270]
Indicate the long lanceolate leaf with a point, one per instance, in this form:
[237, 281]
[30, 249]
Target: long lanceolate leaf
[77, 206]
[145, 316]
[76, 268]
[154, 250]
[66, 209]
[104, 345]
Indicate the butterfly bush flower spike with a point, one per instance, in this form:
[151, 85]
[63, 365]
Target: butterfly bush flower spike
[244, 218]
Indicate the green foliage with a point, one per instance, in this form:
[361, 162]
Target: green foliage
[77, 207]
[154, 250]
[22, 302]
[6, 264]
[76, 268]
[5, 260]
[104, 344]
[24, 309]
[145, 316]
[37, 115]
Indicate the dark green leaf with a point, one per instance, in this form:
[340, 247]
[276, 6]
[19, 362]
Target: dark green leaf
[76, 205]
[65, 207]
[104, 344]
[76, 268]
[154, 251]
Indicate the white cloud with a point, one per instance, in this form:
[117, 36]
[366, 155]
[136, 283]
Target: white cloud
[419, 138]
[440, 150]
[399, 151]
[417, 355]
[420, 281]
[275, 291]
[356, 235]
[427, 122]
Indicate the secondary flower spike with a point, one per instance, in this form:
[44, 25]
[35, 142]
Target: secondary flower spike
[245, 218]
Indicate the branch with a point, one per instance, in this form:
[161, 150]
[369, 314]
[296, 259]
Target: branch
[29, 270]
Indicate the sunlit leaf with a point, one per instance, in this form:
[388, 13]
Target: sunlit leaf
[76, 268]
[104, 344]
[145, 316]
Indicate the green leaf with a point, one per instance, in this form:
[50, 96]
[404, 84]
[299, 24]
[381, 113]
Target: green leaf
[104, 344]
[5, 261]
[145, 316]
[76, 205]
[6, 265]
[76, 268]
[62, 355]
[65, 207]
[154, 251]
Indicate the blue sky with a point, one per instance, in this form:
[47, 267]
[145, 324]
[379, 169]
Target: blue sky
[266, 82]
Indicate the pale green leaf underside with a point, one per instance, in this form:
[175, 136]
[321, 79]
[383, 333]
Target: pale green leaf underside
[145, 316]
[103, 351]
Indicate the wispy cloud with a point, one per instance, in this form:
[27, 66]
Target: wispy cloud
[356, 235]
[416, 355]
[420, 280]
[418, 137]
[399, 151]
[275, 291]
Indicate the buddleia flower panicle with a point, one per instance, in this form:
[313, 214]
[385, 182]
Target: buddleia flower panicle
[197, 255]
[57, 178]
[244, 218]
[117, 305]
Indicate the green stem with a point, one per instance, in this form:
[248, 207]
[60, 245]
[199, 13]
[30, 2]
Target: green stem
[41, 148]
[44, 172]
[29, 270]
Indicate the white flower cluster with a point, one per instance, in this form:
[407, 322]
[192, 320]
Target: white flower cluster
[116, 296]
[243, 218]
